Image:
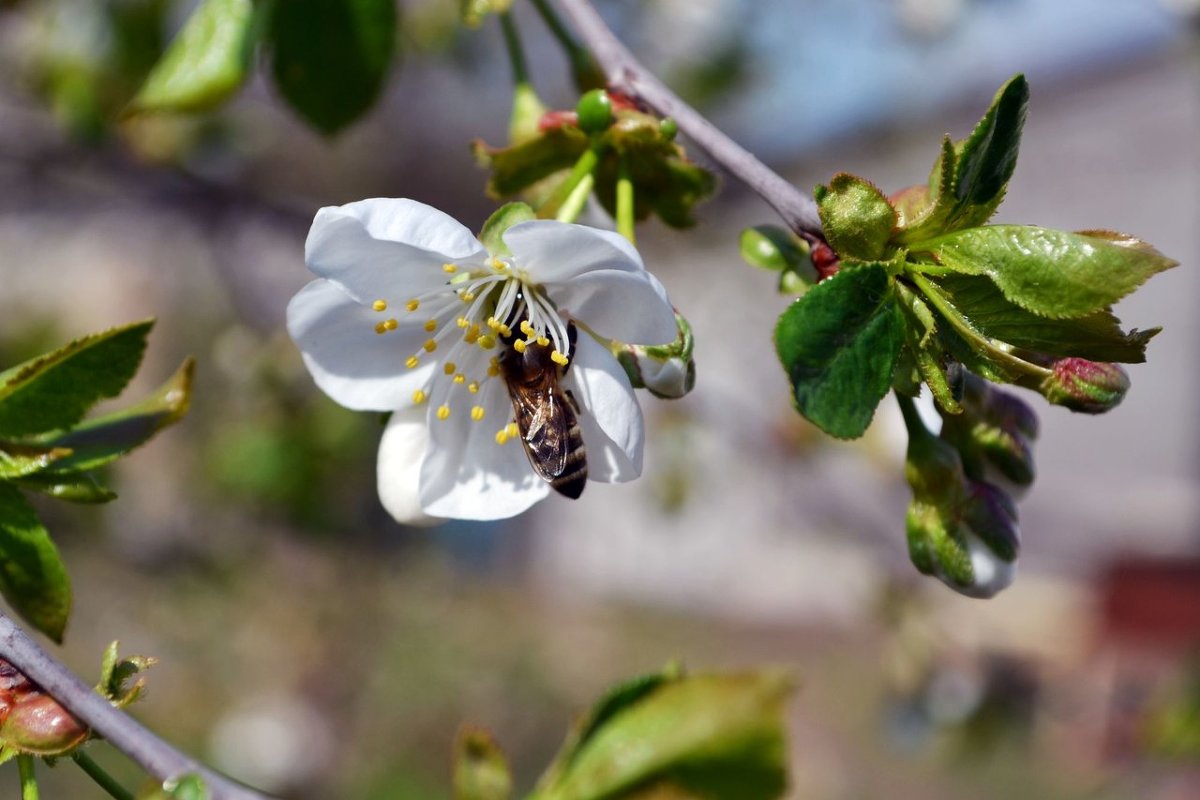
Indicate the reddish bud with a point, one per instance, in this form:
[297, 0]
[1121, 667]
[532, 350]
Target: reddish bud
[1087, 386]
[824, 260]
[33, 721]
[558, 119]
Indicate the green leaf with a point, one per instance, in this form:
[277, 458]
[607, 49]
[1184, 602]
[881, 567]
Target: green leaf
[987, 158]
[839, 344]
[18, 460]
[480, 770]
[32, 577]
[102, 440]
[330, 57]
[186, 787]
[857, 218]
[718, 737]
[520, 166]
[53, 391]
[1051, 273]
[206, 63]
[925, 349]
[1097, 336]
[501, 220]
[74, 487]
[117, 674]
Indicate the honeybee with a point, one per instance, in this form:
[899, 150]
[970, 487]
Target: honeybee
[546, 415]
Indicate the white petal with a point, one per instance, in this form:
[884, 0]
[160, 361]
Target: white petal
[398, 474]
[991, 573]
[466, 474]
[357, 367]
[626, 306]
[611, 420]
[386, 248]
[558, 251]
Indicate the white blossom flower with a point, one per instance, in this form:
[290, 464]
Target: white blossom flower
[411, 314]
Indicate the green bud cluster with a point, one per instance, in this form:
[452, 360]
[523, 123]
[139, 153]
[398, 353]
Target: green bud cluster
[667, 371]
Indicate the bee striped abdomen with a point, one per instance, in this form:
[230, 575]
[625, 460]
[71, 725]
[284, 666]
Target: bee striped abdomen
[573, 478]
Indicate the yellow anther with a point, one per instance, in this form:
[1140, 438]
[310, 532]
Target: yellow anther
[412, 362]
[449, 368]
[462, 322]
[467, 297]
[543, 341]
[497, 264]
[419, 396]
[477, 413]
[449, 269]
[558, 358]
[443, 412]
[430, 345]
[493, 371]
[460, 379]
[527, 329]
[473, 387]
[431, 325]
[487, 341]
[501, 436]
[519, 345]
[493, 323]
[413, 305]
[391, 324]
[504, 330]
[379, 305]
[472, 335]
[380, 327]
[512, 430]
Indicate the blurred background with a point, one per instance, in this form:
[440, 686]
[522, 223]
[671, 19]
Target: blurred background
[312, 646]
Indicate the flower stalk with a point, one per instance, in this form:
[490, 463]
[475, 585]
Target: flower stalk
[102, 778]
[29, 785]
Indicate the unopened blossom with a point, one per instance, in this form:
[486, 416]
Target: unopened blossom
[411, 315]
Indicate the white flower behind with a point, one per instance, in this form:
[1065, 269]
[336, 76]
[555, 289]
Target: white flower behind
[409, 315]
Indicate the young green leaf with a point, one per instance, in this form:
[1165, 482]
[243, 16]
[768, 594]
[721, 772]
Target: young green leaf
[100, 441]
[839, 344]
[473, 12]
[770, 247]
[73, 487]
[714, 736]
[206, 63]
[518, 167]
[1050, 273]
[330, 57]
[503, 218]
[480, 770]
[19, 460]
[1096, 336]
[32, 577]
[925, 349]
[857, 218]
[53, 391]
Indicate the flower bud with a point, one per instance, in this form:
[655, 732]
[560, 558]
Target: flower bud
[995, 429]
[1088, 386]
[667, 371]
[33, 721]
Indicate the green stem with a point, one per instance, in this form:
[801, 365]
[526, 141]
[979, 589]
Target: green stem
[993, 348]
[912, 419]
[516, 54]
[625, 216]
[29, 787]
[102, 778]
[582, 65]
[581, 172]
[572, 207]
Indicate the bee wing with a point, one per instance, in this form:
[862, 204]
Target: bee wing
[544, 428]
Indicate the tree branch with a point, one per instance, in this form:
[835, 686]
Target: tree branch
[152, 754]
[625, 74]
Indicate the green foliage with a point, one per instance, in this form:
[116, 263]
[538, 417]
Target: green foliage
[330, 57]
[474, 12]
[55, 390]
[776, 249]
[1050, 273]
[45, 448]
[32, 577]
[206, 63]
[185, 787]
[718, 737]
[503, 218]
[839, 344]
[117, 675]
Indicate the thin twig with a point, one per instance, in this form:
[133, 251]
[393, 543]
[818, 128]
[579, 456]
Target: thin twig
[122, 731]
[627, 75]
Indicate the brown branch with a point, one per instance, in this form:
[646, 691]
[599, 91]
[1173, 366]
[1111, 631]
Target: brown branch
[141, 745]
[625, 74]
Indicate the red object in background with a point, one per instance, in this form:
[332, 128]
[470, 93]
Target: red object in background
[1152, 602]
